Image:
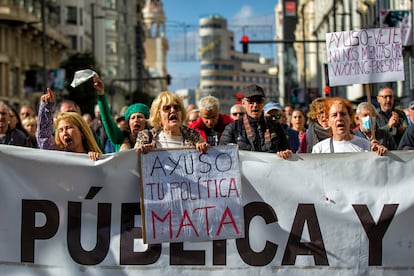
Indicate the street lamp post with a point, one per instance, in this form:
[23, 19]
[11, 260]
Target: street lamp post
[93, 17]
[43, 14]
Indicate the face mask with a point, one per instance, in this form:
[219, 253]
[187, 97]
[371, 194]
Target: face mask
[366, 122]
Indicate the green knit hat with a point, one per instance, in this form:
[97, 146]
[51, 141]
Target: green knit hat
[134, 108]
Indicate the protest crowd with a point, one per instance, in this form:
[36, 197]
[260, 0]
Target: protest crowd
[332, 124]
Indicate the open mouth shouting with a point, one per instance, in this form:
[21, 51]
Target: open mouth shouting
[341, 127]
[256, 111]
[173, 118]
[136, 128]
[68, 142]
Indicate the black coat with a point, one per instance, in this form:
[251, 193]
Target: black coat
[235, 133]
[15, 137]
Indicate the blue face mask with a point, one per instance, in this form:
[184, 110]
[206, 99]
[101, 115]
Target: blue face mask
[366, 122]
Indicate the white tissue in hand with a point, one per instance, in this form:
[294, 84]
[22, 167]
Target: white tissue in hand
[82, 76]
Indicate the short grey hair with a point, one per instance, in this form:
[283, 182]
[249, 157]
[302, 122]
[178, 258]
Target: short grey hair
[243, 109]
[209, 103]
[364, 106]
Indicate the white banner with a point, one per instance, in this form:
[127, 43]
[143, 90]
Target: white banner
[315, 214]
[365, 56]
[188, 196]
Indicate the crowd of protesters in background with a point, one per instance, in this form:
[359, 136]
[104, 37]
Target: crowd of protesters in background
[254, 124]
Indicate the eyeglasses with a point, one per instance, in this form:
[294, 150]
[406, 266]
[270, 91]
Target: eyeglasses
[167, 108]
[258, 100]
[386, 96]
[276, 116]
[237, 113]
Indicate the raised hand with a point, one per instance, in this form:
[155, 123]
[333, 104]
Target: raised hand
[49, 97]
[98, 84]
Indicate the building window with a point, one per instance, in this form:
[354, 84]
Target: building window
[71, 16]
[73, 41]
[110, 4]
[111, 47]
[110, 24]
[15, 83]
[81, 16]
[81, 43]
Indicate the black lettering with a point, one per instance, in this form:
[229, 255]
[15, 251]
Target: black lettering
[129, 233]
[187, 171]
[29, 231]
[103, 235]
[157, 165]
[179, 256]
[247, 254]
[208, 165]
[375, 232]
[219, 252]
[225, 164]
[176, 163]
[316, 247]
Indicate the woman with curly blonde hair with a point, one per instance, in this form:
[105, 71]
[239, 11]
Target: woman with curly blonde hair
[167, 116]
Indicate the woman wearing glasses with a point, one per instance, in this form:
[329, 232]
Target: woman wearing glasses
[167, 115]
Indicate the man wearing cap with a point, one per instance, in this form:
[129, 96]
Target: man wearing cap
[136, 116]
[254, 132]
[390, 118]
[275, 112]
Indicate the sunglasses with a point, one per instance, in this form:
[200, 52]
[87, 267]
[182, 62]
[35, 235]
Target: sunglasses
[277, 116]
[258, 100]
[167, 108]
[237, 113]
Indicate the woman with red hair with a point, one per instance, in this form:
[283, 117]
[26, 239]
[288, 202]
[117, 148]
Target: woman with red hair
[340, 117]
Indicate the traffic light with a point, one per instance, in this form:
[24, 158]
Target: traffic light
[239, 97]
[245, 43]
[169, 79]
[327, 91]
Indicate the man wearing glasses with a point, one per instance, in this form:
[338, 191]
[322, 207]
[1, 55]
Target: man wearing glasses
[274, 111]
[390, 118]
[254, 132]
[237, 111]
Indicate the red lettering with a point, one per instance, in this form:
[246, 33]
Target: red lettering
[155, 216]
[190, 223]
[206, 216]
[233, 187]
[228, 213]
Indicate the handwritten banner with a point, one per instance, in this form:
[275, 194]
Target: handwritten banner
[188, 196]
[365, 56]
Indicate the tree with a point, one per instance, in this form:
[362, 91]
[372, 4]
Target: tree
[84, 95]
[142, 97]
